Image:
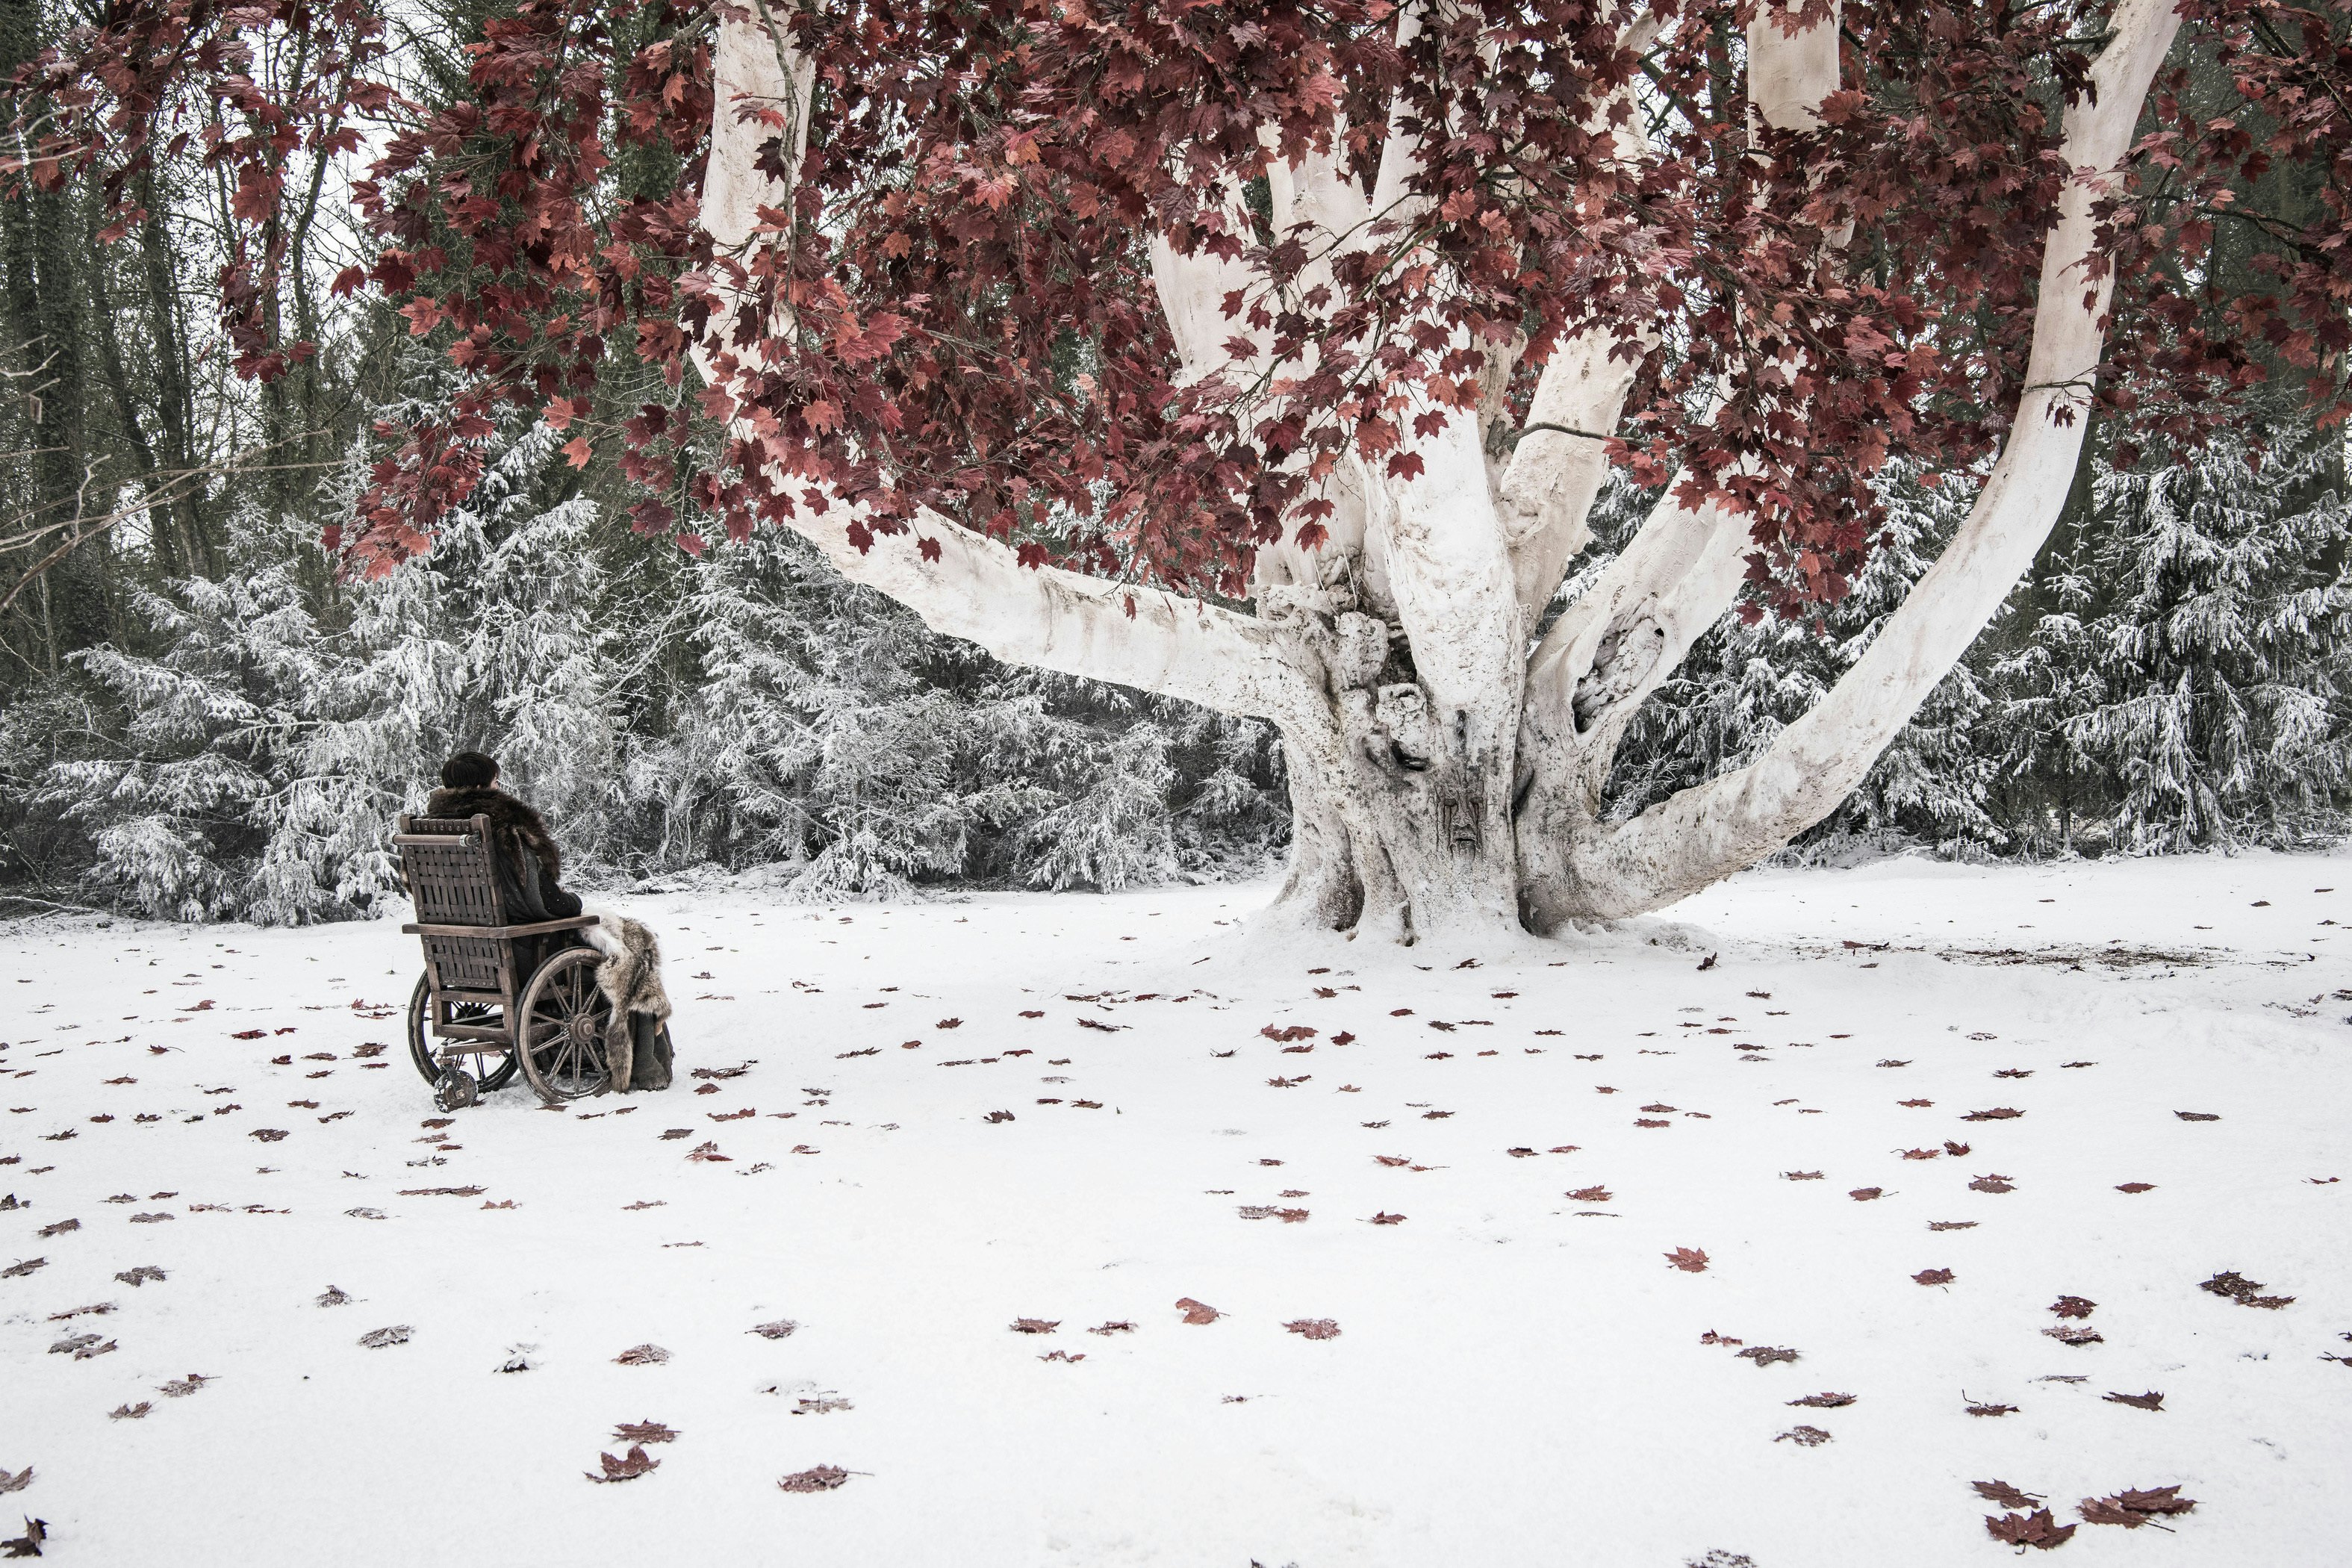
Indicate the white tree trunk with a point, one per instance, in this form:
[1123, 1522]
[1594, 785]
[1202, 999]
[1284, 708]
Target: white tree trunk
[1444, 778]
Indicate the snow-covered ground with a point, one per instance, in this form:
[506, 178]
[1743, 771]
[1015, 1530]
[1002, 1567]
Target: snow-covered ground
[1520, 1375]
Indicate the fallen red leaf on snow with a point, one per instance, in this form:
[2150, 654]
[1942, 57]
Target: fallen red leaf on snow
[1197, 1312]
[1690, 1260]
[2243, 1292]
[817, 1478]
[2036, 1529]
[635, 1464]
[2133, 1509]
[644, 1432]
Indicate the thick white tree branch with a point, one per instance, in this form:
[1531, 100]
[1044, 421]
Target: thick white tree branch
[1790, 73]
[1707, 833]
[1193, 290]
[1628, 631]
[1449, 570]
[1547, 489]
[1400, 150]
[976, 589]
[1554, 474]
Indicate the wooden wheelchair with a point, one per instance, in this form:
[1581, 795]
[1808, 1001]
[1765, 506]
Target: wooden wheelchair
[508, 997]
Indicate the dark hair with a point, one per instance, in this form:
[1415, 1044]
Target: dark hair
[470, 770]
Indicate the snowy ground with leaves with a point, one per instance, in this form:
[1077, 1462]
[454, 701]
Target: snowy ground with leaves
[1507, 1251]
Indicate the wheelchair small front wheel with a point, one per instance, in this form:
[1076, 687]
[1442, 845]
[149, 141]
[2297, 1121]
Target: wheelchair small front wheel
[425, 1052]
[455, 1090]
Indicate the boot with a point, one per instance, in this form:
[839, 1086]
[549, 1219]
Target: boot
[652, 1051]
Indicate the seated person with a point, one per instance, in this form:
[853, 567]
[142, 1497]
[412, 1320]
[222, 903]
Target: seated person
[637, 1048]
[528, 861]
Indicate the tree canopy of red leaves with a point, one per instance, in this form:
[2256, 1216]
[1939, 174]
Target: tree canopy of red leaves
[957, 311]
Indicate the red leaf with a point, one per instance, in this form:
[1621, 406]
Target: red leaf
[818, 1478]
[256, 195]
[1689, 1260]
[1405, 466]
[2036, 1529]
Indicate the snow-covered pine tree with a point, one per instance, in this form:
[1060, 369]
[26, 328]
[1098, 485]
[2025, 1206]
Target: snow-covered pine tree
[523, 598]
[823, 733]
[179, 818]
[2221, 709]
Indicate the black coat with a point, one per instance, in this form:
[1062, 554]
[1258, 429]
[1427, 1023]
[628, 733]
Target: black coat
[528, 861]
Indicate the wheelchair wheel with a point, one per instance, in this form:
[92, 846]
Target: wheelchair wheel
[560, 1029]
[455, 1090]
[422, 1044]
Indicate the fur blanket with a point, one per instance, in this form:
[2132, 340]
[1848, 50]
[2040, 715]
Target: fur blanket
[636, 1044]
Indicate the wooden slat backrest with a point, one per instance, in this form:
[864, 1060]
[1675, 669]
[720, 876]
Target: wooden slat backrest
[454, 882]
[457, 883]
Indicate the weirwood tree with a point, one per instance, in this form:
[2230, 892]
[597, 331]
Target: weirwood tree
[1270, 353]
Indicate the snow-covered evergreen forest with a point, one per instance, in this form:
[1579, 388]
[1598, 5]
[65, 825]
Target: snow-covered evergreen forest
[235, 749]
